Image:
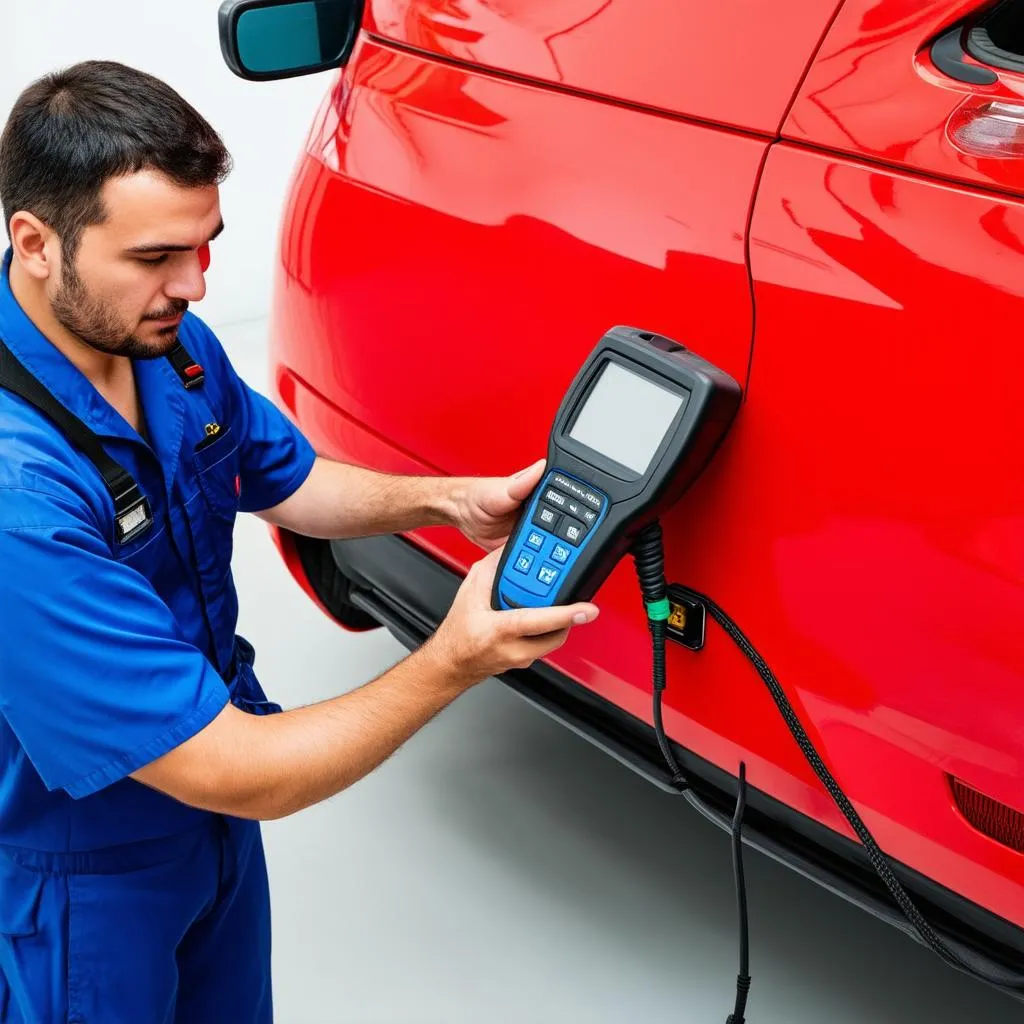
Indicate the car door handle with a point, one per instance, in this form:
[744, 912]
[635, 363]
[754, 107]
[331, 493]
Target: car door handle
[948, 55]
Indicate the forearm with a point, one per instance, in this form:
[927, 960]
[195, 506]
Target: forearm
[270, 766]
[339, 500]
[312, 753]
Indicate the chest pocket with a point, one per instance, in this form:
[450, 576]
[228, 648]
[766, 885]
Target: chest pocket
[213, 507]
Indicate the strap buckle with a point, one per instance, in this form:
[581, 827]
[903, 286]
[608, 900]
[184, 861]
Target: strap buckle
[189, 372]
[133, 515]
[193, 376]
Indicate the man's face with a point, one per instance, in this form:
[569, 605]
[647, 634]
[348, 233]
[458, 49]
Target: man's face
[126, 289]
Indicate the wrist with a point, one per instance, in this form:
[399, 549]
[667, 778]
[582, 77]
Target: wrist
[449, 501]
[450, 673]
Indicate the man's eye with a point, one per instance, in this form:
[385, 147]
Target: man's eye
[153, 260]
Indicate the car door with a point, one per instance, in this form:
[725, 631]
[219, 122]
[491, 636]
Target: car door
[883, 449]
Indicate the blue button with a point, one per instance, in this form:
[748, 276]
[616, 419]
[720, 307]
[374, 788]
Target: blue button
[524, 561]
[535, 540]
[560, 554]
[547, 574]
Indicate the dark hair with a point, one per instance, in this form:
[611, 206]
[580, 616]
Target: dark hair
[72, 130]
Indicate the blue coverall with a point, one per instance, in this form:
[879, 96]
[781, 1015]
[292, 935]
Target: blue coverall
[118, 903]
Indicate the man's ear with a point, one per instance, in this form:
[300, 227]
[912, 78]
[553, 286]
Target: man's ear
[36, 246]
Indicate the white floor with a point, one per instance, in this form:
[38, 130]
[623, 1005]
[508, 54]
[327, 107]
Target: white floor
[500, 869]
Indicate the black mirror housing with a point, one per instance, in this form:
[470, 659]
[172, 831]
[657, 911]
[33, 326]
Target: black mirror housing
[265, 40]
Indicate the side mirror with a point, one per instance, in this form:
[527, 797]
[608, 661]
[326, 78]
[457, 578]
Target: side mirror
[266, 39]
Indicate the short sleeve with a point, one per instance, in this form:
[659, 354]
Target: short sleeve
[276, 457]
[96, 679]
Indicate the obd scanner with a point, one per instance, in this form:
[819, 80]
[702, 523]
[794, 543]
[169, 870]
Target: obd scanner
[639, 422]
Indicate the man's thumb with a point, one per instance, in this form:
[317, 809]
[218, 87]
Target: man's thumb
[521, 483]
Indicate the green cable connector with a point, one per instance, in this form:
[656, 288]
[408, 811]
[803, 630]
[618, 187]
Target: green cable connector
[659, 611]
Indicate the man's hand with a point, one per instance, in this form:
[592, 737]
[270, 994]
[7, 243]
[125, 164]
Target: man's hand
[486, 507]
[475, 642]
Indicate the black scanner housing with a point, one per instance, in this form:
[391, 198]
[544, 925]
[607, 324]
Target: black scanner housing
[635, 499]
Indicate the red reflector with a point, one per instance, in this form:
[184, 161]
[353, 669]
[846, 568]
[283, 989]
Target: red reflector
[238, 485]
[194, 370]
[999, 822]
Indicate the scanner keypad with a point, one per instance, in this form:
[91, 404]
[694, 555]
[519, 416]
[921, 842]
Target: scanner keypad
[564, 515]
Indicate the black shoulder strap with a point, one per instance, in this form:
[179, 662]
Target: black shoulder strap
[132, 514]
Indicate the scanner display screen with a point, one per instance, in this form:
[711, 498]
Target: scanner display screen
[625, 417]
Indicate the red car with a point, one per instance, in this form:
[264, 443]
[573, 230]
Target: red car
[823, 198]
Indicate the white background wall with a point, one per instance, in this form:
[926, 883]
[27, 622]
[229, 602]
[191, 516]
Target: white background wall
[263, 124]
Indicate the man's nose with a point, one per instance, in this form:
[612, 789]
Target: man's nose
[188, 281]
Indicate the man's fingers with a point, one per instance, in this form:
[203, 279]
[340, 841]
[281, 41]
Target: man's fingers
[535, 647]
[535, 621]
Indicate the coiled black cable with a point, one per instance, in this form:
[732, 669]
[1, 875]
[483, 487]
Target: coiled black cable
[648, 554]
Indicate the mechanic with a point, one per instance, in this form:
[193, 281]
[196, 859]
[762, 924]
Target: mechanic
[137, 750]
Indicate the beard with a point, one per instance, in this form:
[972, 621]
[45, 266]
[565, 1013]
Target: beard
[100, 327]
